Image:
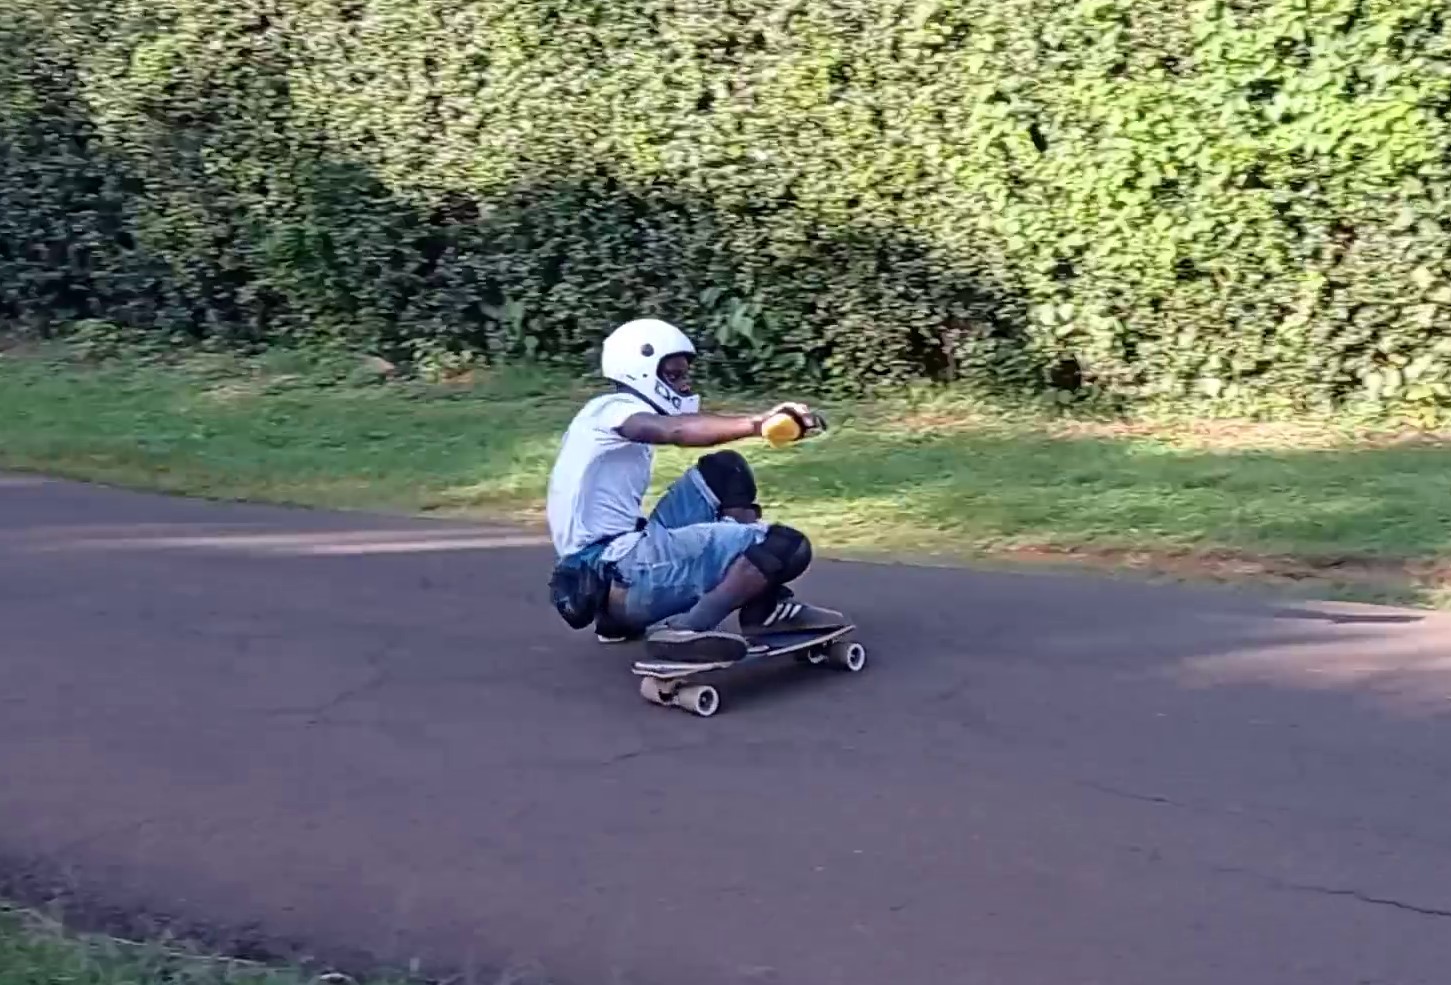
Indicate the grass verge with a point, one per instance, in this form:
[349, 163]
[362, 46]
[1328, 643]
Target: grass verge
[1343, 513]
[35, 950]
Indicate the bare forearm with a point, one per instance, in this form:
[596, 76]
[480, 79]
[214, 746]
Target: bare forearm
[691, 430]
[706, 430]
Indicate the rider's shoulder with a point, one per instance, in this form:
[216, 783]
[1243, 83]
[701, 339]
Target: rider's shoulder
[615, 403]
[607, 411]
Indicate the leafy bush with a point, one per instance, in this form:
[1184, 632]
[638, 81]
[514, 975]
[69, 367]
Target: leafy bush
[1236, 202]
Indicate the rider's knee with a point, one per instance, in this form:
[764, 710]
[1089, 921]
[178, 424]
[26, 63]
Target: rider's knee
[730, 478]
[783, 556]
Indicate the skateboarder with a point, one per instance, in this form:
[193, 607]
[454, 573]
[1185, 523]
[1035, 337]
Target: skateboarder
[705, 550]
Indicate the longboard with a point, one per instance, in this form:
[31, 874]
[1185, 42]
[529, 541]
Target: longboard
[685, 688]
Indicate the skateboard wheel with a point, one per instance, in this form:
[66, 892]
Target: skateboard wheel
[849, 656]
[702, 700]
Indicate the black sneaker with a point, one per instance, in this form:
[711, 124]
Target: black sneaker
[608, 630]
[691, 648]
[781, 613]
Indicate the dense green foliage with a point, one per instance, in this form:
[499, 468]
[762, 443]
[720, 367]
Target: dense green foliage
[1243, 201]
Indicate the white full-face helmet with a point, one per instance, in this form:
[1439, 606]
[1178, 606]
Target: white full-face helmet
[632, 355]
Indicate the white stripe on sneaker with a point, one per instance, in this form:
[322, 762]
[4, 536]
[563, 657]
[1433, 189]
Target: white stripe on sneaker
[783, 611]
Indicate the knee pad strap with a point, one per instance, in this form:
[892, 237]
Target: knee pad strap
[783, 556]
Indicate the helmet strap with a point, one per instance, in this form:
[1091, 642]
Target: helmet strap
[653, 404]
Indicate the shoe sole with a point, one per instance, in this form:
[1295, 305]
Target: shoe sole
[667, 669]
[704, 649]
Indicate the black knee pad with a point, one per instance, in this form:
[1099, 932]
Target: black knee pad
[783, 556]
[729, 476]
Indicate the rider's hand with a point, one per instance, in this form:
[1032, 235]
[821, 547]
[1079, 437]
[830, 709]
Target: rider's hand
[797, 410]
[806, 422]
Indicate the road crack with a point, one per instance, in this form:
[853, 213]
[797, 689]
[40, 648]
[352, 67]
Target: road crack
[314, 713]
[1355, 894]
[1337, 891]
[1146, 798]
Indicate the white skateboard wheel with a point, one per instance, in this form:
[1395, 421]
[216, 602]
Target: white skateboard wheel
[849, 656]
[702, 700]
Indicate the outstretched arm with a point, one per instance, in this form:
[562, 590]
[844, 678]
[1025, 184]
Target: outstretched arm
[707, 430]
[690, 430]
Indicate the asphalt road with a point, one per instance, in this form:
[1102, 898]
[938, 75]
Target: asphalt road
[371, 735]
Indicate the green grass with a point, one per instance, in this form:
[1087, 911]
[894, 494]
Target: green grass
[36, 951]
[1365, 515]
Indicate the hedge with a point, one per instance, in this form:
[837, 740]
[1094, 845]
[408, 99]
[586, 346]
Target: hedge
[1241, 203]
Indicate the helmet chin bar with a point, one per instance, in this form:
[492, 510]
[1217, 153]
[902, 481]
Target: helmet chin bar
[679, 403]
[665, 400]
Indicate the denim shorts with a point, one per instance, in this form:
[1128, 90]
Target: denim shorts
[683, 552]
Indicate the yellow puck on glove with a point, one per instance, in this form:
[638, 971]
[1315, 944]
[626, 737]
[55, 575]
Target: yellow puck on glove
[781, 429]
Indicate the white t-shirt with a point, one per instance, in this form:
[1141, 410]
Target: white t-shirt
[600, 478]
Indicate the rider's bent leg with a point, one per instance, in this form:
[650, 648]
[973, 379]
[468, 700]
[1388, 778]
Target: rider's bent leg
[719, 485]
[754, 584]
[743, 581]
[784, 555]
[729, 477]
[669, 571]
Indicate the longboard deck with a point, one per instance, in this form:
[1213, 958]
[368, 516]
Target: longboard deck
[690, 687]
[762, 648]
